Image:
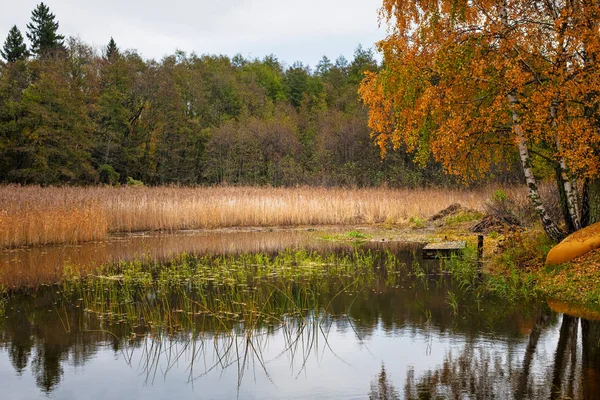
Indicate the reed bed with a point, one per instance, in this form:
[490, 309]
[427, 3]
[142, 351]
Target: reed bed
[192, 293]
[32, 215]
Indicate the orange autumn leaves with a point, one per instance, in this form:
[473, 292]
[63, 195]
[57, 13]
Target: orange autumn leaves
[449, 67]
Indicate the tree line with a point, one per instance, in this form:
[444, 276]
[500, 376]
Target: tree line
[70, 114]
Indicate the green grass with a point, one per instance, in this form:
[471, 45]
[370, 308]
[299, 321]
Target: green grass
[463, 216]
[452, 301]
[351, 236]
[357, 235]
[216, 293]
[417, 222]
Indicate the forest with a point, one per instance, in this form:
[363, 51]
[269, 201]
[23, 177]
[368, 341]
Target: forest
[74, 114]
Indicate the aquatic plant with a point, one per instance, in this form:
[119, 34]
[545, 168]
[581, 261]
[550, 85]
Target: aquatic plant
[221, 290]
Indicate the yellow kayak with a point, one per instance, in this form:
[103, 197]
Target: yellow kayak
[575, 245]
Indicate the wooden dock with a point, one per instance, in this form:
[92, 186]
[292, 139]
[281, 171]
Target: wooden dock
[443, 249]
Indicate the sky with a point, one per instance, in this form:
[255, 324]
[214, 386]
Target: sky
[299, 30]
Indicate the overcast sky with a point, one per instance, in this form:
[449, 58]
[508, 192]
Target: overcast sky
[302, 30]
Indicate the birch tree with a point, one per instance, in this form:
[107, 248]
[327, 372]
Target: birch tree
[474, 81]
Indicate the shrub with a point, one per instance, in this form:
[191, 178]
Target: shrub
[134, 182]
[463, 216]
[417, 222]
[515, 208]
[505, 209]
[108, 175]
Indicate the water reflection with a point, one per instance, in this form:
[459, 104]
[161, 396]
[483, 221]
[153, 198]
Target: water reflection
[360, 345]
[382, 388]
[44, 264]
[572, 371]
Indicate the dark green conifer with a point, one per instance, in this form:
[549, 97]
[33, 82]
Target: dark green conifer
[43, 31]
[14, 48]
[112, 51]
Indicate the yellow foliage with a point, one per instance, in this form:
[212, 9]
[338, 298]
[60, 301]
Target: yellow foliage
[452, 70]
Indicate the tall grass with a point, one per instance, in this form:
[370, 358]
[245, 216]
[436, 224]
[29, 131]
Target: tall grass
[34, 215]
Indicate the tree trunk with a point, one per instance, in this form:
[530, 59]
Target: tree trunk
[551, 229]
[569, 190]
[563, 201]
[591, 202]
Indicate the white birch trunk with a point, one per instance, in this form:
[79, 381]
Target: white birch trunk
[551, 229]
[572, 203]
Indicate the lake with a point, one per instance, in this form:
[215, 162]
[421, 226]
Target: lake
[277, 315]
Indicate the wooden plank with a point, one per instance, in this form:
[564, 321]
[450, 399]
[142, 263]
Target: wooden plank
[442, 249]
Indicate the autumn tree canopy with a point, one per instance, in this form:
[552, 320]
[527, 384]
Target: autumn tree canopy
[473, 81]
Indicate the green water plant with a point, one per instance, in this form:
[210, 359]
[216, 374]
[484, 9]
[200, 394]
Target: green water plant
[350, 236]
[253, 289]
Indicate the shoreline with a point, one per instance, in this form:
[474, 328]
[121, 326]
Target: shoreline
[513, 263]
[33, 215]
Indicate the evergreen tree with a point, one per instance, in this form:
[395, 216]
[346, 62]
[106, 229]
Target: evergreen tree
[43, 31]
[112, 51]
[324, 66]
[55, 133]
[14, 48]
[364, 60]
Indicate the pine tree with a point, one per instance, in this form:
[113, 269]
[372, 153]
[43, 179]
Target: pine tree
[112, 51]
[14, 48]
[43, 31]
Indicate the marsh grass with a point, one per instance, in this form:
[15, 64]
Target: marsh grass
[191, 293]
[31, 215]
[502, 277]
[350, 236]
[463, 216]
[218, 312]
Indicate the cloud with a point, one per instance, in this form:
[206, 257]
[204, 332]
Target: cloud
[292, 30]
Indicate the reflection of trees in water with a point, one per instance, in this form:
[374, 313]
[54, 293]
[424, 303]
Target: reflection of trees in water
[46, 338]
[576, 372]
[36, 334]
[244, 351]
[476, 373]
[573, 372]
[382, 388]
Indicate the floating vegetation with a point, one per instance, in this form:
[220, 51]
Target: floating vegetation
[351, 236]
[217, 293]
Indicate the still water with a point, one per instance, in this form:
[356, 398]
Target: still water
[401, 335]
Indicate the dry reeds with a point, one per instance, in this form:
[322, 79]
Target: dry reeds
[34, 215]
